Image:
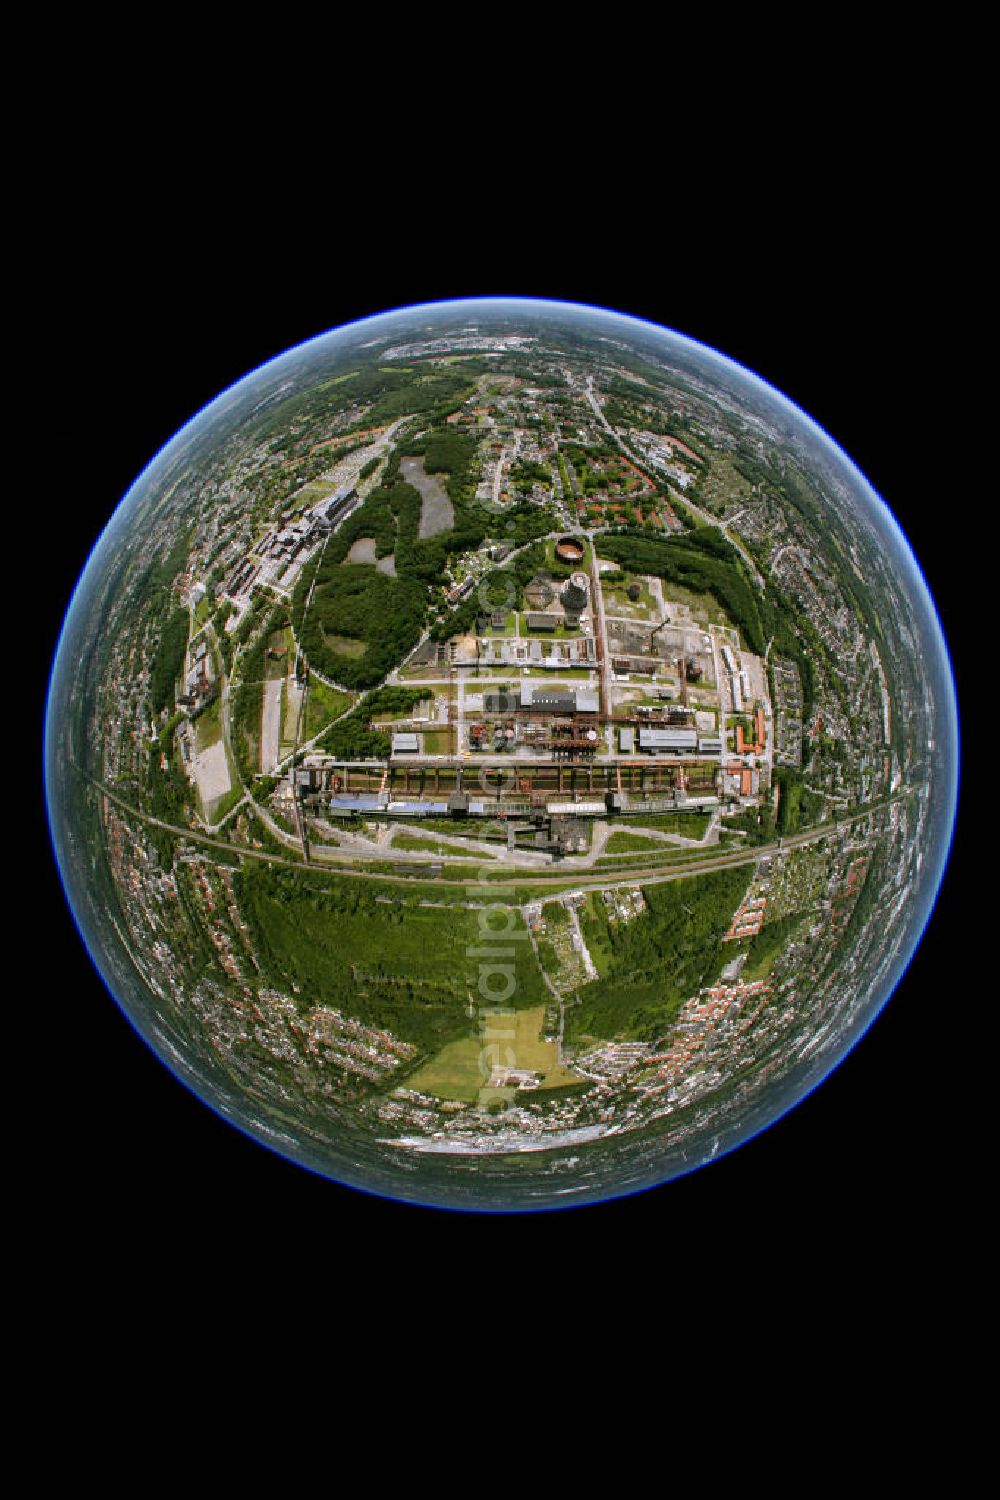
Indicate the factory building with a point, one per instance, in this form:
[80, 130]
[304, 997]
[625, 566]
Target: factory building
[328, 511]
[537, 698]
[349, 805]
[405, 744]
[551, 701]
[710, 744]
[501, 703]
[676, 740]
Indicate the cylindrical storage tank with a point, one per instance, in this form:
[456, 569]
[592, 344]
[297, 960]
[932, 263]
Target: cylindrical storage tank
[574, 594]
[569, 549]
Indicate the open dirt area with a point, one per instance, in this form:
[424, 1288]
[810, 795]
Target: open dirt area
[211, 773]
[436, 511]
[363, 551]
[270, 725]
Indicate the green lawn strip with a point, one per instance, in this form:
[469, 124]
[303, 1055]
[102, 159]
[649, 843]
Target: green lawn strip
[692, 825]
[414, 841]
[627, 843]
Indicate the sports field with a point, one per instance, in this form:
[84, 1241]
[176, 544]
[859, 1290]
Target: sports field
[511, 1039]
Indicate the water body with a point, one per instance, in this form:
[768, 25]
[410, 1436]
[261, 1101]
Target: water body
[436, 511]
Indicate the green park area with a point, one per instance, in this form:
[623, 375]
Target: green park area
[633, 843]
[507, 1039]
[692, 825]
[208, 726]
[650, 965]
[437, 742]
[391, 964]
[418, 843]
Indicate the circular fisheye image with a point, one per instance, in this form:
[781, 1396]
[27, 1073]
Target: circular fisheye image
[501, 755]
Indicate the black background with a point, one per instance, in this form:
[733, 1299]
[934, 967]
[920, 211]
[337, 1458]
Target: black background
[161, 310]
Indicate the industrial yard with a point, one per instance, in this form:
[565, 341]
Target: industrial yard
[476, 625]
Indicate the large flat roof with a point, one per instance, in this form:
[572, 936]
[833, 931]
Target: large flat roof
[668, 737]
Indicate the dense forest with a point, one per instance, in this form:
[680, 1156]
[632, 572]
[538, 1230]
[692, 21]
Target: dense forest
[339, 945]
[361, 621]
[353, 738]
[660, 959]
[168, 662]
[155, 583]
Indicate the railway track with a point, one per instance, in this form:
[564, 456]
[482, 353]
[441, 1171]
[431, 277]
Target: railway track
[606, 879]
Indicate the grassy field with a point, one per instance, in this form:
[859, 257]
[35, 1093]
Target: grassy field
[208, 726]
[226, 803]
[344, 645]
[323, 705]
[629, 843]
[289, 717]
[596, 934]
[509, 629]
[617, 601]
[511, 1039]
[693, 825]
[437, 741]
[583, 566]
[414, 841]
[703, 607]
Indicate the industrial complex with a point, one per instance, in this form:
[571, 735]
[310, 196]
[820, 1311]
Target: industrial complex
[499, 621]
